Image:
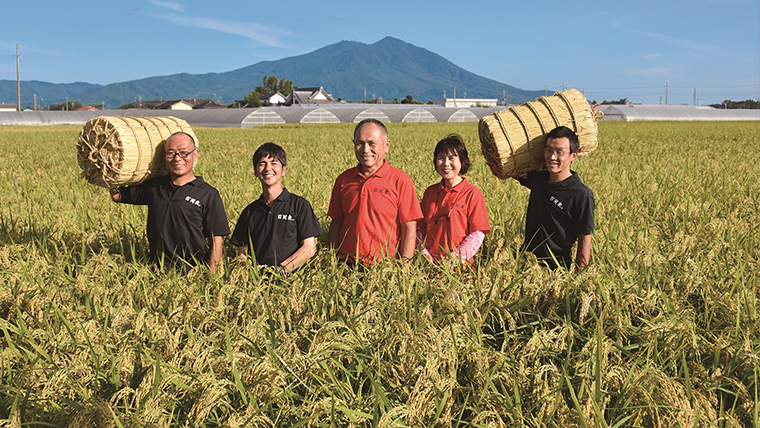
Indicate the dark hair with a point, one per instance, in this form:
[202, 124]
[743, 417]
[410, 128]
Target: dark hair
[371, 120]
[270, 150]
[565, 132]
[453, 143]
[186, 134]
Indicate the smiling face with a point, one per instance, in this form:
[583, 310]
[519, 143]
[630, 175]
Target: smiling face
[180, 169]
[370, 146]
[558, 158]
[269, 171]
[448, 166]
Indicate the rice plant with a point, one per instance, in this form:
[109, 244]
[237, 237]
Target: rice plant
[660, 330]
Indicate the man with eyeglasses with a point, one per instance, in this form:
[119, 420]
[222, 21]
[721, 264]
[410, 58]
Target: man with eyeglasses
[373, 206]
[184, 212]
[560, 208]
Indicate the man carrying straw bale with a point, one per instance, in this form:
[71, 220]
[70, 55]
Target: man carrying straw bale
[373, 207]
[561, 207]
[184, 212]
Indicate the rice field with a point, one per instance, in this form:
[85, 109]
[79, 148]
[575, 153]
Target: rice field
[661, 330]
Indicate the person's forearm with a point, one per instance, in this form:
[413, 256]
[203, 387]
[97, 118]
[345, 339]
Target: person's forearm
[306, 251]
[583, 255]
[408, 238]
[215, 259]
[333, 234]
[469, 245]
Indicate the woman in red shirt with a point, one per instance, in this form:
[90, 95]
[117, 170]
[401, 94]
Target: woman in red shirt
[455, 219]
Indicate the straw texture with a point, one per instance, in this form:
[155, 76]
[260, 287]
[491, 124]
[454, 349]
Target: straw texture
[513, 140]
[115, 151]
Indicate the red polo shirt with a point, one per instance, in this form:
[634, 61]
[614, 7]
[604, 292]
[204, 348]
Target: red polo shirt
[450, 215]
[372, 210]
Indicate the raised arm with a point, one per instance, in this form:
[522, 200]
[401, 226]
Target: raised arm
[115, 195]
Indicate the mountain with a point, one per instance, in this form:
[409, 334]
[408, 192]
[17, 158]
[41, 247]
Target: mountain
[389, 68]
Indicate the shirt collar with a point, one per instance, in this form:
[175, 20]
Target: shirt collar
[381, 172]
[284, 196]
[569, 181]
[456, 188]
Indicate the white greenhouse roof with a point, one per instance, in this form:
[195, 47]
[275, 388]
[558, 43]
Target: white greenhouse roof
[637, 112]
[353, 113]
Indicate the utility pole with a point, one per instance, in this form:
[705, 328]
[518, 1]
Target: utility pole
[695, 96]
[18, 84]
[544, 90]
[666, 93]
[563, 86]
[455, 96]
[35, 102]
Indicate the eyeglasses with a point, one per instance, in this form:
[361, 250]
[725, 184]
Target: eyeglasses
[558, 153]
[170, 154]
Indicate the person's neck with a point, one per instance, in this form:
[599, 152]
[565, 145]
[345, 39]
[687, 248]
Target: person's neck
[182, 179]
[269, 194]
[560, 176]
[453, 182]
[366, 173]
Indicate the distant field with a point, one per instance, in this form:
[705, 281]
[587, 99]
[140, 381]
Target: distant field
[661, 330]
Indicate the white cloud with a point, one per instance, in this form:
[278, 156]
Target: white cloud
[168, 5]
[263, 34]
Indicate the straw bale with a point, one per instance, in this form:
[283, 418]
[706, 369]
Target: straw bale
[115, 151]
[513, 140]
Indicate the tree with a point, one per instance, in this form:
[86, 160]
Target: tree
[253, 99]
[271, 84]
[750, 104]
[620, 101]
[69, 106]
[410, 100]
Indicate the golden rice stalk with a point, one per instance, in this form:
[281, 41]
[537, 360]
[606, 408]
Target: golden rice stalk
[513, 140]
[115, 151]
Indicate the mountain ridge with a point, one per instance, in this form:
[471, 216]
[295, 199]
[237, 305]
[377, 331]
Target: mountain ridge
[389, 68]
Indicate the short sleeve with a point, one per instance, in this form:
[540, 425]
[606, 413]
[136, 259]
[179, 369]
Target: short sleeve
[478, 216]
[335, 210]
[409, 206]
[214, 218]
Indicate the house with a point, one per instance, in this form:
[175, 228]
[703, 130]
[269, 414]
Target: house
[88, 107]
[7, 107]
[175, 105]
[274, 98]
[315, 95]
[206, 104]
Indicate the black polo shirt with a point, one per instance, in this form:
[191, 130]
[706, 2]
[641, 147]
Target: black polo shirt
[557, 213]
[276, 231]
[180, 218]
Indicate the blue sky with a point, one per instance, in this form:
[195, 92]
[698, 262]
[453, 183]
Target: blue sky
[607, 49]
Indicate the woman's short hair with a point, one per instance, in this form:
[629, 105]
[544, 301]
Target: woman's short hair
[453, 143]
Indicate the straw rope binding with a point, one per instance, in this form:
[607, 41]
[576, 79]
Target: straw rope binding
[115, 151]
[513, 140]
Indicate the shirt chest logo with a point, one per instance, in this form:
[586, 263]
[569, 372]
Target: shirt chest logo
[193, 201]
[286, 217]
[557, 202]
[385, 192]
